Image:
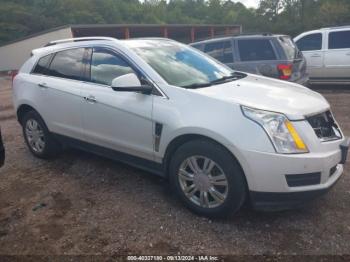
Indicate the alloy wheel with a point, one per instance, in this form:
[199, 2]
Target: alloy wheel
[203, 181]
[35, 136]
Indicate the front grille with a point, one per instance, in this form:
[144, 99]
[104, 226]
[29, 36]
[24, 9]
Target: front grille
[325, 126]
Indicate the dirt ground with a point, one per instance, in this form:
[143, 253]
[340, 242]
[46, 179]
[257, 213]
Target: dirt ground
[80, 203]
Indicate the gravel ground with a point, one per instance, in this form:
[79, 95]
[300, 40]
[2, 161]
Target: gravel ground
[83, 204]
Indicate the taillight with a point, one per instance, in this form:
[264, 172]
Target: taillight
[13, 75]
[285, 71]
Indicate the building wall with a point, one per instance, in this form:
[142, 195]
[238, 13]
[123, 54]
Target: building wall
[12, 56]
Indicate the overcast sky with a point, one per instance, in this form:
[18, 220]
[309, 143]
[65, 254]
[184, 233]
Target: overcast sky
[249, 3]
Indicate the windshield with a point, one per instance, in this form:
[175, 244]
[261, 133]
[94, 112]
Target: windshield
[180, 65]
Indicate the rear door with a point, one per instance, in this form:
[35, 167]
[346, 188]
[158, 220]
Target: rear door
[221, 51]
[312, 47]
[337, 57]
[121, 121]
[61, 86]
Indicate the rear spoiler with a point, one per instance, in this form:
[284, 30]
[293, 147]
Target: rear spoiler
[35, 51]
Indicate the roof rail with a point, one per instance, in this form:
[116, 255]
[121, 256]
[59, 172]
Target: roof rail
[78, 39]
[255, 33]
[231, 35]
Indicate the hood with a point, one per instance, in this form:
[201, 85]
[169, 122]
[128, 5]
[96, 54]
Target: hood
[293, 100]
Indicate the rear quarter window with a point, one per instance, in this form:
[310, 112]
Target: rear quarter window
[42, 66]
[288, 47]
[256, 50]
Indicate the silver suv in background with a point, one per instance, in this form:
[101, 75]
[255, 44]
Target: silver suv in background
[264, 54]
[327, 52]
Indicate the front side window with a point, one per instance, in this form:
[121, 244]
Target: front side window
[339, 40]
[311, 42]
[106, 65]
[221, 51]
[68, 64]
[178, 64]
[42, 66]
[256, 50]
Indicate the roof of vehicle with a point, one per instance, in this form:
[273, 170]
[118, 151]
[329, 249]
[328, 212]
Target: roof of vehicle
[57, 45]
[241, 36]
[320, 30]
[336, 27]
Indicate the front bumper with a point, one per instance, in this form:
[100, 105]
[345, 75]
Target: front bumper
[268, 173]
[283, 201]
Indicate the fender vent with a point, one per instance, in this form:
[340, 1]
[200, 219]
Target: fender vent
[332, 171]
[157, 135]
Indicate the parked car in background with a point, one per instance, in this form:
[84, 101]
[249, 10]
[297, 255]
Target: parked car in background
[2, 151]
[219, 136]
[264, 54]
[327, 52]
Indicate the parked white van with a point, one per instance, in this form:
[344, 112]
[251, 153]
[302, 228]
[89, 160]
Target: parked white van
[327, 52]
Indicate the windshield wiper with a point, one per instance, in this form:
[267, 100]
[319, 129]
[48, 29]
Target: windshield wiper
[224, 79]
[233, 76]
[197, 85]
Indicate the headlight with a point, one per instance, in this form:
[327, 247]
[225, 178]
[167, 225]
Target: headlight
[281, 131]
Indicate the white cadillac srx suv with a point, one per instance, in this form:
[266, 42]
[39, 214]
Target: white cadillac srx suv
[220, 136]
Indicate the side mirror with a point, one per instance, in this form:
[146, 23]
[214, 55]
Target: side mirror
[130, 83]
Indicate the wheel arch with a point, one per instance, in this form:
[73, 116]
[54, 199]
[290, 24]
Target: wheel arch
[22, 110]
[182, 139]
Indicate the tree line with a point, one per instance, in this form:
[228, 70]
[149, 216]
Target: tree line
[23, 17]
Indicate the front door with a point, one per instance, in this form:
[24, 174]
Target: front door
[312, 47]
[121, 121]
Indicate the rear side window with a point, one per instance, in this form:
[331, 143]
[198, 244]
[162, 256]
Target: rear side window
[106, 65]
[41, 67]
[68, 64]
[310, 42]
[339, 40]
[221, 51]
[256, 49]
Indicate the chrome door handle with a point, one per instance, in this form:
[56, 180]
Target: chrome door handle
[90, 99]
[315, 55]
[43, 85]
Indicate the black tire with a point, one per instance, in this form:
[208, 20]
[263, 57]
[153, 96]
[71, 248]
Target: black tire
[237, 188]
[51, 146]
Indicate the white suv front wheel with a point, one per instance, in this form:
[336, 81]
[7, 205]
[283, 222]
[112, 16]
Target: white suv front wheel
[207, 178]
